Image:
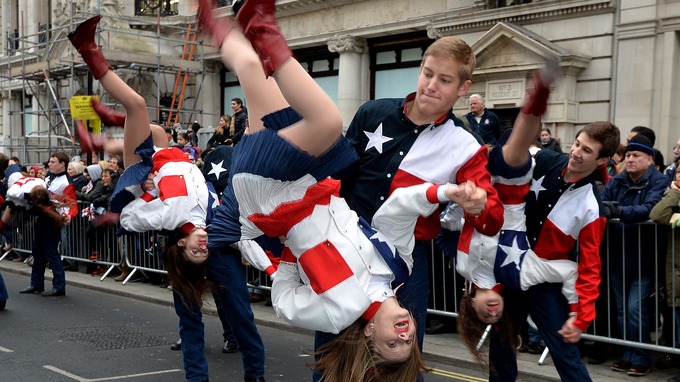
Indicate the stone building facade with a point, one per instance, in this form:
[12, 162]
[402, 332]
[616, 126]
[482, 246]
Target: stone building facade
[619, 57]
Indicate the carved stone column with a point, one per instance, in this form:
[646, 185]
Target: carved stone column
[353, 79]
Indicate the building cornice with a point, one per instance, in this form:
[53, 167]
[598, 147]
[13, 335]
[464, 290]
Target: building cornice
[472, 19]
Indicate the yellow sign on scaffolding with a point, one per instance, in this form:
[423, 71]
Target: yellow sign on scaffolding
[81, 108]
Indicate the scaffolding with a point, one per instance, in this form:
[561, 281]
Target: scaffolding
[40, 73]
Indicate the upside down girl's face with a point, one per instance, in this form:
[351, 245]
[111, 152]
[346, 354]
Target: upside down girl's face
[195, 246]
[393, 330]
[489, 305]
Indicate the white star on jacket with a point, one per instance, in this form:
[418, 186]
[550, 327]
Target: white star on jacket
[537, 185]
[514, 253]
[217, 169]
[376, 139]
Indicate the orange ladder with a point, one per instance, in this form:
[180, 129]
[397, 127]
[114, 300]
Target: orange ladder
[176, 103]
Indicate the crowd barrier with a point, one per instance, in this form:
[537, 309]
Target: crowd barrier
[141, 252]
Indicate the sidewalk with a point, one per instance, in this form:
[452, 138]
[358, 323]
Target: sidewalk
[445, 348]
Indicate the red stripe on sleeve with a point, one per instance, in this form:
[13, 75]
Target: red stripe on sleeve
[431, 194]
[147, 197]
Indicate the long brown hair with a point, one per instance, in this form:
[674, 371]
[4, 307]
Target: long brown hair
[221, 129]
[471, 329]
[40, 200]
[187, 279]
[351, 357]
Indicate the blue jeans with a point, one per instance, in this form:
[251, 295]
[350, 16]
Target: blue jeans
[227, 331]
[227, 272]
[535, 336]
[549, 310]
[631, 298]
[191, 331]
[46, 249]
[3, 289]
[413, 296]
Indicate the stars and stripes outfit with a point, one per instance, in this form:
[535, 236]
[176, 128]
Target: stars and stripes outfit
[564, 226]
[19, 188]
[507, 257]
[395, 152]
[334, 266]
[181, 196]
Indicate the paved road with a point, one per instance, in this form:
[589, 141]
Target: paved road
[94, 336]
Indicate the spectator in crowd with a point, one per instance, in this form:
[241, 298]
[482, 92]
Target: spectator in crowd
[93, 188]
[46, 246]
[643, 130]
[616, 164]
[221, 134]
[193, 134]
[667, 213]
[171, 134]
[75, 171]
[483, 122]
[670, 169]
[116, 167]
[548, 142]
[630, 196]
[6, 230]
[659, 163]
[239, 119]
[184, 144]
[98, 200]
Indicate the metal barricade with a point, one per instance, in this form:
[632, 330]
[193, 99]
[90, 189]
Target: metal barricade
[22, 233]
[143, 252]
[446, 287]
[85, 242]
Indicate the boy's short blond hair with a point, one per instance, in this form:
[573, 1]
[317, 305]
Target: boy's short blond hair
[456, 49]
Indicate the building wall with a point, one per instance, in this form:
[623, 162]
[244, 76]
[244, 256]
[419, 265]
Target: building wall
[619, 56]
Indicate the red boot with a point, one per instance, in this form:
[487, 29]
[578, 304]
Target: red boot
[109, 117]
[256, 17]
[217, 29]
[83, 40]
[88, 142]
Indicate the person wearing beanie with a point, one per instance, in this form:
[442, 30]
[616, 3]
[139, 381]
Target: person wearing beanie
[95, 187]
[628, 199]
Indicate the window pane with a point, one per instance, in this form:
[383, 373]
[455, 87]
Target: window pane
[320, 66]
[413, 54]
[395, 83]
[386, 58]
[329, 85]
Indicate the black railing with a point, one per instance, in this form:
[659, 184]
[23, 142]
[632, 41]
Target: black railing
[152, 7]
[12, 41]
[43, 35]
